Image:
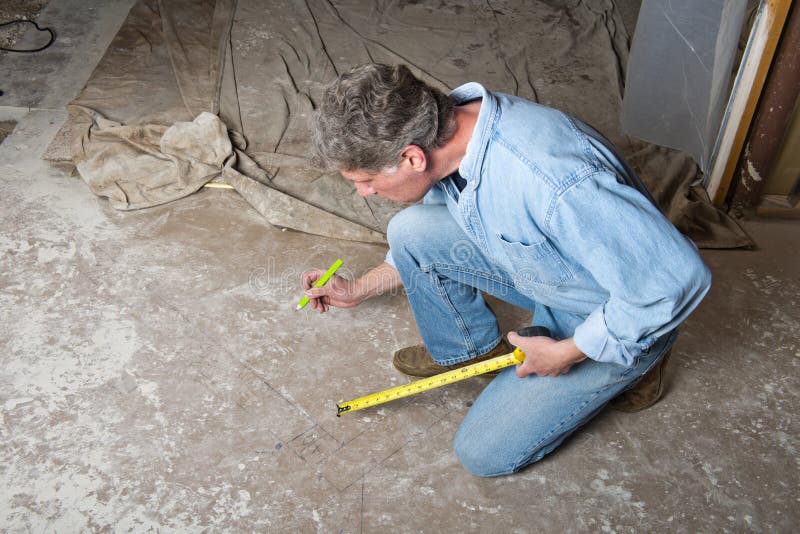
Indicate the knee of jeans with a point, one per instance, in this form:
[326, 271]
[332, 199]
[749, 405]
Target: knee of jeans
[406, 227]
[479, 458]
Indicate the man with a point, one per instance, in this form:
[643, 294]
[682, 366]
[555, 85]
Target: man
[525, 203]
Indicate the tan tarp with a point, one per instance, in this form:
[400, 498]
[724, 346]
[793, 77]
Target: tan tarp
[177, 65]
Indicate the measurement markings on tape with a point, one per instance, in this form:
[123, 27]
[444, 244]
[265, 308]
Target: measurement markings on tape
[425, 384]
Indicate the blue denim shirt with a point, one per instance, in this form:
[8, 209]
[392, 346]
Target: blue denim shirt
[548, 199]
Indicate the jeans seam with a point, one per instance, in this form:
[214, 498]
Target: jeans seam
[472, 351]
[459, 321]
[431, 270]
[447, 266]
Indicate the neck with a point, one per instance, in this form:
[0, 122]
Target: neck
[446, 159]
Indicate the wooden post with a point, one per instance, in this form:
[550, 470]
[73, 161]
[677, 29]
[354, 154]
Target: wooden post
[746, 91]
[771, 120]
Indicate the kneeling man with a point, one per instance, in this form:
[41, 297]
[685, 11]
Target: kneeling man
[528, 204]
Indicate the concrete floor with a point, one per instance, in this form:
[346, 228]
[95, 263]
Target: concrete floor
[154, 377]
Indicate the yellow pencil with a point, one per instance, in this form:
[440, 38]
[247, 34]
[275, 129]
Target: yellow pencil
[321, 282]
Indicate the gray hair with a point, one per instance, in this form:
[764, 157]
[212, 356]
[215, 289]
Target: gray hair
[368, 115]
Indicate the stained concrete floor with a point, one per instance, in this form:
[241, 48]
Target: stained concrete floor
[154, 377]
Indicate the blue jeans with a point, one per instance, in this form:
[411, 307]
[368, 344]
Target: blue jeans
[515, 421]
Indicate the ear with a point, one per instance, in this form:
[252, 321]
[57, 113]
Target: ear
[415, 157]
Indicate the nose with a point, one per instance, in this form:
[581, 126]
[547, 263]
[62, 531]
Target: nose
[364, 190]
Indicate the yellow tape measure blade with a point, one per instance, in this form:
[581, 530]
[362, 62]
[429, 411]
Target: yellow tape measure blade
[425, 384]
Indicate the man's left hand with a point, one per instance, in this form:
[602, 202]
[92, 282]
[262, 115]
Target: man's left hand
[545, 356]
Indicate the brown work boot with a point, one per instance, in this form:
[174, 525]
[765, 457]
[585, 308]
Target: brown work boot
[645, 393]
[416, 361]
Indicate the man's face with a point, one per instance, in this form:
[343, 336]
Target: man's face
[401, 184]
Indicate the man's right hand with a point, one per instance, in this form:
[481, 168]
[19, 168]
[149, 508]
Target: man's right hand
[342, 293]
[339, 292]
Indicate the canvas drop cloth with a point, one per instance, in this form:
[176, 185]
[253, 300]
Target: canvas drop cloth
[191, 91]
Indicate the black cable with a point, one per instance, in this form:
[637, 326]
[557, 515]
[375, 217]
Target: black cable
[52, 36]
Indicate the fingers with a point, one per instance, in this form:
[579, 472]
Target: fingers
[319, 304]
[319, 299]
[535, 368]
[319, 296]
[316, 292]
[537, 358]
[524, 370]
[310, 277]
[521, 372]
[526, 367]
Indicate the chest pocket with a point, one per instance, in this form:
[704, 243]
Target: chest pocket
[537, 264]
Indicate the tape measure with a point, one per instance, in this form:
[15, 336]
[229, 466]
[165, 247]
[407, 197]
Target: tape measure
[432, 382]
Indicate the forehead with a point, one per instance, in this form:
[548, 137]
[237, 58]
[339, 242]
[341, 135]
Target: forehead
[359, 175]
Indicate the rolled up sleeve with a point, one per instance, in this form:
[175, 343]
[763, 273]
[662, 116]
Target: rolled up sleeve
[654, 275]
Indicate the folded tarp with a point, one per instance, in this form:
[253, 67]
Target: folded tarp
[196, 90]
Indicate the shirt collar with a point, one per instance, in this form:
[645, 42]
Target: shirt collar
[470, 167]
